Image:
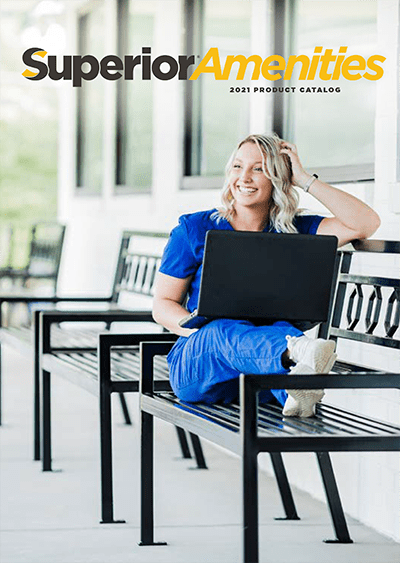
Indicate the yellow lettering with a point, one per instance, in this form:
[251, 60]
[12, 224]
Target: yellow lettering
[376, 68]
[347, 67]
[340, 58]
[314, 63]
[267, 67]
[305, 63]
[243, 62]
[215, 69]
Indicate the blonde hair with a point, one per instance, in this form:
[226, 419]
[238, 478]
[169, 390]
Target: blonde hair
[277, 168]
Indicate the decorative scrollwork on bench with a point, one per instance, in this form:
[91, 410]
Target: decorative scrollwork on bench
[373, 309]
[357, 292]
[392, 324]
[139, 273]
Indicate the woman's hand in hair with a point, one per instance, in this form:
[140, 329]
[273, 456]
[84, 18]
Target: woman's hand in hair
[352, 218]
[299, 175]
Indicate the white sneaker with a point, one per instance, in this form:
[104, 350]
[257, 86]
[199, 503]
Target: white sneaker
[301, 402]
[318, 354]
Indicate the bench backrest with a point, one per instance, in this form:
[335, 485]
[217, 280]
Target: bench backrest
[45, 250]
[6, 238]
[366, 306]
[32, 252]
[138, 261]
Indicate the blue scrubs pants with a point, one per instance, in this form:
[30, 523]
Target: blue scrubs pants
[205, 366]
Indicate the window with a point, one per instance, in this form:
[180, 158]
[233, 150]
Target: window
[214, 118]
[134, 150]
[91, 106]
[334, 130]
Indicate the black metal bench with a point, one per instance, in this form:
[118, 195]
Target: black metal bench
[72, 353]
[32, 258]
[44, 243]
[134, 274]
[248, 429]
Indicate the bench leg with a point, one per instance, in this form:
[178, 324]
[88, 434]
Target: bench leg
[248, 427]
[250, 508]
[46, 420]
[183, 443]
[333, 499]
[284, 487]
[107, 497]
[125, 410]
[36, 387]
[0, 389]
[198, 452]
[147, 480]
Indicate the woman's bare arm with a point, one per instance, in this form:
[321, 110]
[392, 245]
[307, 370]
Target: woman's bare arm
[353, 219]
[169, 294]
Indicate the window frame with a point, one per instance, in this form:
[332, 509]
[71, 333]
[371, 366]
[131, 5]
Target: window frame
[80, 189]
[282, 21]
[193, 25]
[285, 19]
[80, 109]
[120, 187]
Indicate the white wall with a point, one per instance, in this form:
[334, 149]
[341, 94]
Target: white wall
[369, 483]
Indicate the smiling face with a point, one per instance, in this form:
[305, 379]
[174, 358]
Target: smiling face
[249, 185]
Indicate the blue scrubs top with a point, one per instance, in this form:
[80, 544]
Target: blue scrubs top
[183, 254]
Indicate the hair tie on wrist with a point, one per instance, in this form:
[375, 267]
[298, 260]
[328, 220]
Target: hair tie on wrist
[309, 182]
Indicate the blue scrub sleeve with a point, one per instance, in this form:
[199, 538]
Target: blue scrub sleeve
[178, 259]
[309, 224]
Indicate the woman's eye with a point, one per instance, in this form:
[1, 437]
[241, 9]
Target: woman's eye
[236, 166]
[258, 169]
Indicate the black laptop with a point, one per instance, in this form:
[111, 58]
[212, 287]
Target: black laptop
[265, 277]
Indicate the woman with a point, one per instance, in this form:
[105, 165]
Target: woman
[258, 195]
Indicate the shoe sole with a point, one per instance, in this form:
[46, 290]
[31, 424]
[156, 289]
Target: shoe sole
[329, 364]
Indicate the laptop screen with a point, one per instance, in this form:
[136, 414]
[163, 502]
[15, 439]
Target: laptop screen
[268, 276]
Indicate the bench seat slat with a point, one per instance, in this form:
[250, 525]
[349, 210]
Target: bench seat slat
[228, 436]
[74, 338]
[85, 361]
[344, 414]
[20, 339]
[292, 424]
[125, 365]
[330, 419]
[309, 443]
[341, 366]
[328, 422]
[60, 337]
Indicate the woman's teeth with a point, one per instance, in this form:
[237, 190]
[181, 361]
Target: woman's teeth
[244, 190]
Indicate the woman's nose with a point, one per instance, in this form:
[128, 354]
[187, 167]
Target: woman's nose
[245, 175]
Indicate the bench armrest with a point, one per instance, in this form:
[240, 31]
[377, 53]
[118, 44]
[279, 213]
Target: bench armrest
[350, 380]
[108, 316]
[155, 344]
[31, 297]
[149, 349]
[111, 340]
[44, 320]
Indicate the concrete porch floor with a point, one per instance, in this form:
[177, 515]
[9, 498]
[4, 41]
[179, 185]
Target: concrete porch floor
[54, 517]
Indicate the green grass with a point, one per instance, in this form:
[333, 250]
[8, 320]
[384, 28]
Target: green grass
[28, 178]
